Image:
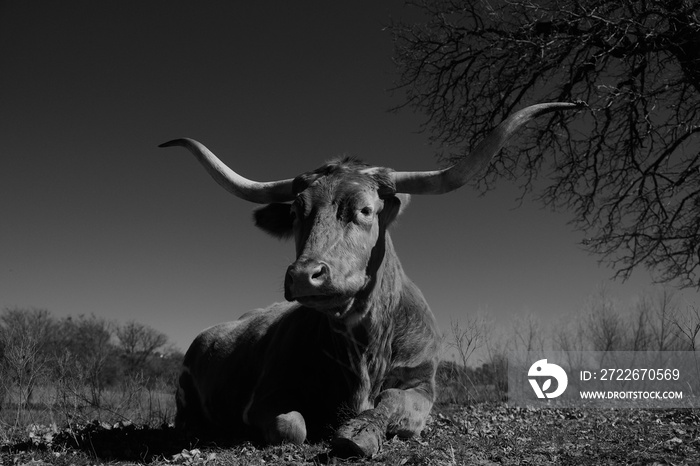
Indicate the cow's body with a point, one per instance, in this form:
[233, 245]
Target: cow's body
[362, 340]
[292, 358]
[355, 350]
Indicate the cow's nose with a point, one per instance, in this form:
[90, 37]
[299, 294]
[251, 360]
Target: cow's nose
[305, 278]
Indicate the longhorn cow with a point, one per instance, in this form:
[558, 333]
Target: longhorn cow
[354, 350]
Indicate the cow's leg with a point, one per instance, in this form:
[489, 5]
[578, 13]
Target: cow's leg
[397, 412]
[285, 428]
[189, 414]
[276, 427]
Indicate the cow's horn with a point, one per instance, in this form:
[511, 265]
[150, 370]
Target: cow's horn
[253, 191]
[451, 178]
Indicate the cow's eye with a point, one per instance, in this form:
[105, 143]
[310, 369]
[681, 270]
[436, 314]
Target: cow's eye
[364, 215]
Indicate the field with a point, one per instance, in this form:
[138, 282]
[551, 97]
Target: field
[72, 416]
[50, 406]
[482, 434]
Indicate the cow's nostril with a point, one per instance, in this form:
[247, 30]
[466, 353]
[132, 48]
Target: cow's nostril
[320, 273]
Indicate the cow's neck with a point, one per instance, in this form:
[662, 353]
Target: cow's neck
[364, 345]
[368, 322]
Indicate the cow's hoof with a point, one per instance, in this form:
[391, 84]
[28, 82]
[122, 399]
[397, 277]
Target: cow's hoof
[287, 428]
[358, 438]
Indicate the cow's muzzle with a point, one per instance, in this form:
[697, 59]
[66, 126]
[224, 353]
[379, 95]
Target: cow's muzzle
[306, 278]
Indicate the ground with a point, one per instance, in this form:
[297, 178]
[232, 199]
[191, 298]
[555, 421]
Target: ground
[482, 434]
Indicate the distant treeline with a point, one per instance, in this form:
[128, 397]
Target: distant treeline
[656, 321]
[78, 359]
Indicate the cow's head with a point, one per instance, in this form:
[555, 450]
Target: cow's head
[337, 219]
[338, 213]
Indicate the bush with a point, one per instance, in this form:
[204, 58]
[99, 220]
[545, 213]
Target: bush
[82, 369]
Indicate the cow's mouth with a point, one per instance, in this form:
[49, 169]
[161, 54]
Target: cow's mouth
[326, 302]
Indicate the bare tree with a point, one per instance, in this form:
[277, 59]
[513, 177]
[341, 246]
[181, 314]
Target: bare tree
[25, 336]
[466, 338]
[604, 326]
[138, 342]
[661, 312]
[469, 337]
[527, 335]
[86, 349]
[496, 367]
[569, 335]
[629, 168]
[688, 324]
[641, 334]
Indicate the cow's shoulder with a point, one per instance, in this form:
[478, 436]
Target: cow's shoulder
[415, 332]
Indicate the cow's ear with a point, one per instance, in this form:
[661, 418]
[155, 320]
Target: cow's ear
[275, 219]
[404, 199]
[393, 207]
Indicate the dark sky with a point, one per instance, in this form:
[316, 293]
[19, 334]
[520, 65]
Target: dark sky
[97, 219]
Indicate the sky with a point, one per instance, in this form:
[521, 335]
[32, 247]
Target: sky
[96, 219]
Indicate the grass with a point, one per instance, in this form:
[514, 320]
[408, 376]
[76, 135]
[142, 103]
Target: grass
[481, 434]
[134, 403]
